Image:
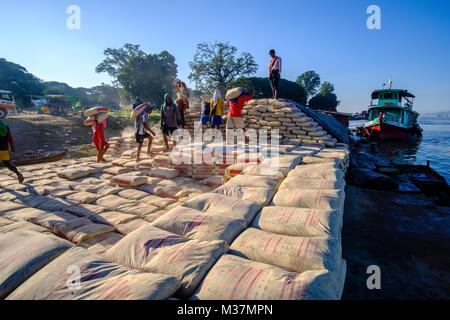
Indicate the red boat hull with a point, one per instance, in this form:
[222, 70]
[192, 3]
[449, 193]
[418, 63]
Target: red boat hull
[384, 132]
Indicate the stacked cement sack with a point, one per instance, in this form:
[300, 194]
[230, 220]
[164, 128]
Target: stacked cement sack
[165, 233]
[292, 249]
[269, 114]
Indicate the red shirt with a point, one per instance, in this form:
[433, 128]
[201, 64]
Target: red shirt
[236, 108]
[98, 136]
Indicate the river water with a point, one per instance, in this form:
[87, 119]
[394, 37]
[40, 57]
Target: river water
[433, 146]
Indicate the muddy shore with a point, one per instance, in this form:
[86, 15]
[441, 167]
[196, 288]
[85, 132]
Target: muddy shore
[405, 234]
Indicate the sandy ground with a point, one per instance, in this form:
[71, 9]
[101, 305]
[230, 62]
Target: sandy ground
[54, 133]
[405, 235]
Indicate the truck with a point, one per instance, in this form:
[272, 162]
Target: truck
[7, 102]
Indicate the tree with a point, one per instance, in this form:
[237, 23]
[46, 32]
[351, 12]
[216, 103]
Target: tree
[260, 88]
[215, 65]
[15, 78]
[149, 76]
[309, 80]
[116, 59]
[326, 88]
[326, 99]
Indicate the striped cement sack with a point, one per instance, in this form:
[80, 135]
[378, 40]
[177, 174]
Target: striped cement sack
[154, 250]
[255, 181]
[100, 280]
[317, 173]
[198, 225]
[294, 182]
[236, 278]
[313, 199]
[164, 173]
[300, 222]
[128, 180]
[260, 196]
[292, 253]
[224, 205]
[30, 252]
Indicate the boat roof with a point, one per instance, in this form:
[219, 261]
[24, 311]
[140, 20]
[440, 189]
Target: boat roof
[404, 93]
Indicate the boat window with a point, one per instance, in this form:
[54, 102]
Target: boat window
[6, 96]
[388, 95]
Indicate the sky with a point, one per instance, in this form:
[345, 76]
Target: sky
[330, 37]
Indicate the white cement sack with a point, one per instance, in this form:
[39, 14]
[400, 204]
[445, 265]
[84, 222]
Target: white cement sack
[313, 199]
[198, 225]
[224, 205]
[154, 250]
[292, 253]
[88, 231]
[22, 214]
[264, 170]
[128, 180]
[84, 210]
[83, 197]
[300, 222]
[112, 218]
[101, 280]
[294, 182]
[53, 204]
[23, 253]
[6, 206]
[317, 173]
[73, 174]
[22, 225]
[260, 196]
[318, 160]
[132, 194]
[158, 201]
[255, 181]
[130, 226]
[101, 243]
[164, 173]
[235, 278]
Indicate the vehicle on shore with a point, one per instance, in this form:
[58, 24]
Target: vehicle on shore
[7, 102]
[391, 116]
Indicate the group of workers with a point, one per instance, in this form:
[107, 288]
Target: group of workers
[172, 118]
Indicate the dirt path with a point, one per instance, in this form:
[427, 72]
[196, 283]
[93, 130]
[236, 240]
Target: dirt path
[53, 133]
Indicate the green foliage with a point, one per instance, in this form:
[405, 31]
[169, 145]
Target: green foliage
[148, 76]
[309, 80]
[260, 88]
[215, 65]
[326, 88]
[19, 81]
[326, 98]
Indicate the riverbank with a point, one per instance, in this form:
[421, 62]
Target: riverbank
[404, 233]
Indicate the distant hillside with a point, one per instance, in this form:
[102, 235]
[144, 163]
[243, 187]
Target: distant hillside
[443, 114]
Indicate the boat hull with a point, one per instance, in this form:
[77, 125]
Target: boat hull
[386, 132]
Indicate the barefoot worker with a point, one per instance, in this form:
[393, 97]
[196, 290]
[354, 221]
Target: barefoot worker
[99, 140]
[182, 105]
[6, 143]
[217, 105]
[274, 72]
[170, 118]
[142, 130]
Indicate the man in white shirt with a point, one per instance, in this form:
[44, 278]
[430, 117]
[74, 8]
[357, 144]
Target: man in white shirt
[274, 72]
[141, 130]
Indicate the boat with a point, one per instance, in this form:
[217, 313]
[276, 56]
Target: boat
[391, 116]
[41, 158]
